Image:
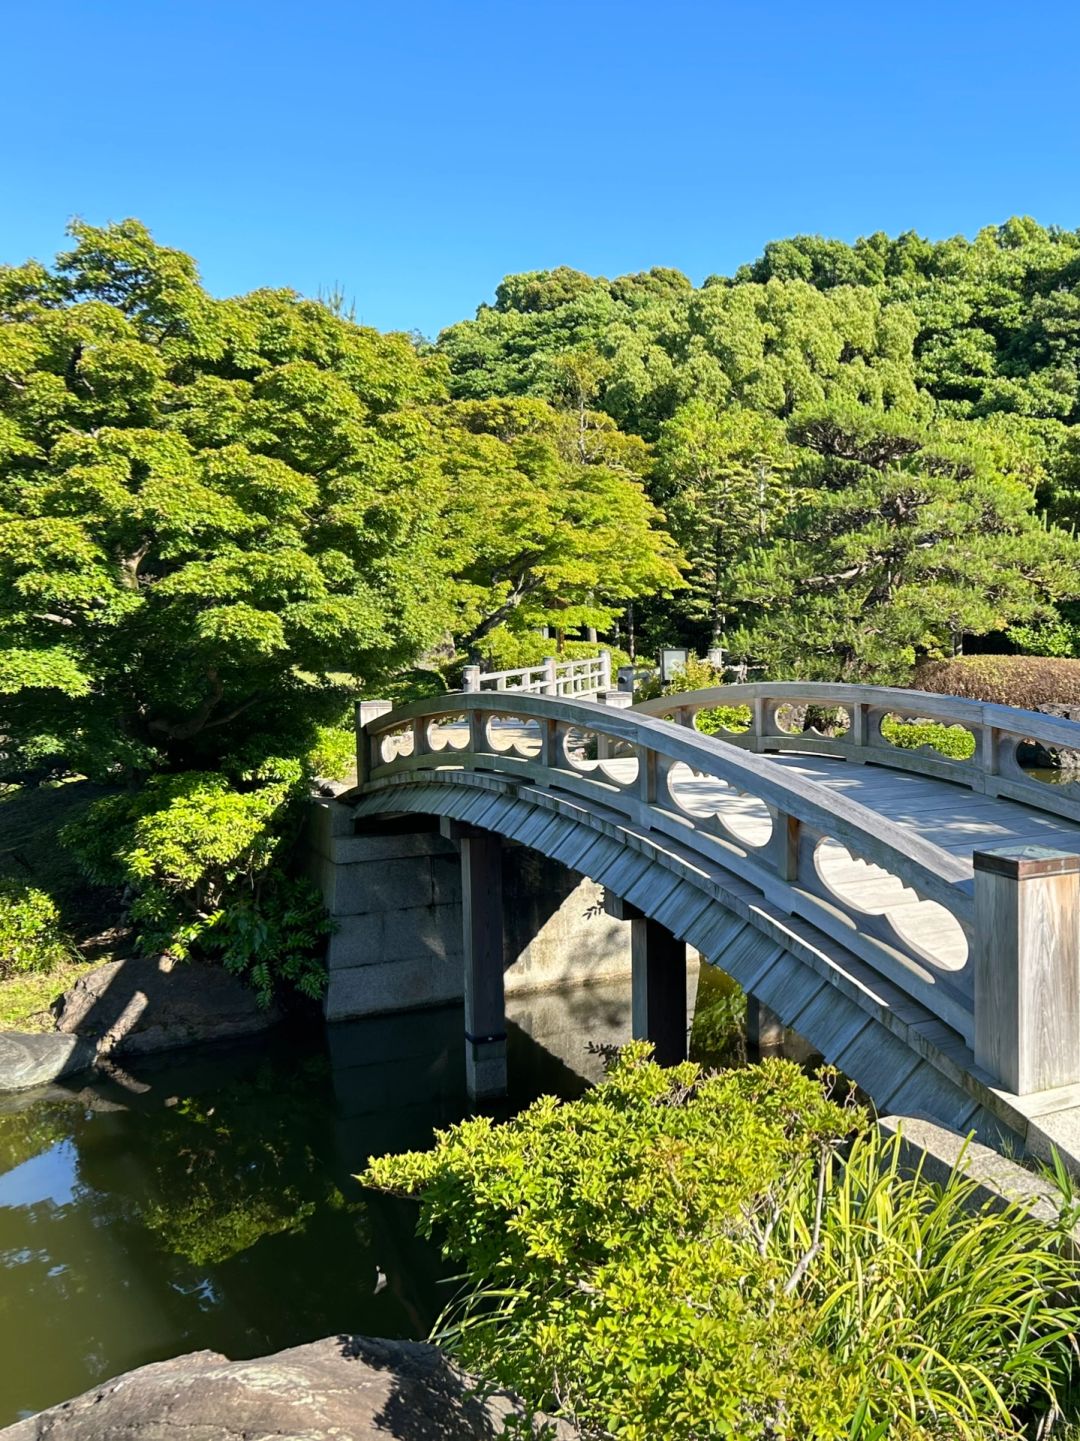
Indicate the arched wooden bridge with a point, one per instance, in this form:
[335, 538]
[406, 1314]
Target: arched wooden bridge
[916, 917]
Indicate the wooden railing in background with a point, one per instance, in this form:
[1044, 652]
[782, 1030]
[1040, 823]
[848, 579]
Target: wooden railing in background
[551, 677]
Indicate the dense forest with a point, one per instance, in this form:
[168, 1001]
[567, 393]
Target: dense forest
[222, 519]
[865, 451]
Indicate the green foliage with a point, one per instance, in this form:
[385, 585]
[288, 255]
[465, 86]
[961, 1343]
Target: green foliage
[1029, 682]
[207, 508]
[550, 524]
[30, 935]
[979, 338]
[952, 741]
[509, 650]
[903, 543]
[722, 478]
[683, 1255]
[956, 1317]
[613, 1242]
[205, 859]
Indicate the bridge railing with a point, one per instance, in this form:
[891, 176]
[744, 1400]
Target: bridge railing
[569, 678]
[897, 901]
[1003, 740]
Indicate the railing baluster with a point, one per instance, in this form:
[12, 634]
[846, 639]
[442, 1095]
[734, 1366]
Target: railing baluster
[549, 743]
[478, 741]
[785, 845]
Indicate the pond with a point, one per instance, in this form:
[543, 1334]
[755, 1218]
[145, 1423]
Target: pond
[208, 1201]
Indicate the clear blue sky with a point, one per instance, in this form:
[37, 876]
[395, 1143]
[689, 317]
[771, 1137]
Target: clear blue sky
[415, 151]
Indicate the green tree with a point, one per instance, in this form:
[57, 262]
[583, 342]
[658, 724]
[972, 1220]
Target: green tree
[548, 521]
[903, 543]
[723, 480]
[204, 516]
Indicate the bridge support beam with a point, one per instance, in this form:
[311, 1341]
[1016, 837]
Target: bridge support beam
[1027, 967]
[658, 984]
[482, 933]
[765, 1031]
[658, 963]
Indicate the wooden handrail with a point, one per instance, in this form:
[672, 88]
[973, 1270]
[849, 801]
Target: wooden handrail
[552, 677]
[642, 795]
[998, 732]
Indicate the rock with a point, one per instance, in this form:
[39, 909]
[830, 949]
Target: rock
[132, 1007]
[348, 1388]
[31, 1060]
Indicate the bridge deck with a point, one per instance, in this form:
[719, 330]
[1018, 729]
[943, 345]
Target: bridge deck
[949, 815]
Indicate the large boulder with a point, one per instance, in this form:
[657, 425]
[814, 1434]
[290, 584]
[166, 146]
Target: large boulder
[32, 1060]
[346, 1388]
[131, 1007]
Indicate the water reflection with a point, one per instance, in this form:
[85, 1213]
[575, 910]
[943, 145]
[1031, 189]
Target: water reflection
[210, 1203]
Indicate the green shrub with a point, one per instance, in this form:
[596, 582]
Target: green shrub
[683, 1256]
[30, 934]
[952, 741]
[614, 1245]
[1027, 681]
[205, 858]
[721, 719]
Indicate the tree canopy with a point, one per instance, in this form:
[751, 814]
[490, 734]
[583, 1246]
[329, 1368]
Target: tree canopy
[212, 510]
[972, 343]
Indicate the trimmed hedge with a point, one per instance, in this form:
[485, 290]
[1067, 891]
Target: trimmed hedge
[954, 742]
[1027, 681]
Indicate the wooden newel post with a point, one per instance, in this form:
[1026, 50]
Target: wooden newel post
[551, 678]
[605, 670]
[367, 710]
[1027, 967]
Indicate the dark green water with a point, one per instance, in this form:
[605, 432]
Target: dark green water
[209, 1202]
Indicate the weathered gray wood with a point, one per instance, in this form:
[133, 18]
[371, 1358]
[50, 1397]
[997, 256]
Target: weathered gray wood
[1027, 966]
[686, 809]
[485, 1000]
[658, 960]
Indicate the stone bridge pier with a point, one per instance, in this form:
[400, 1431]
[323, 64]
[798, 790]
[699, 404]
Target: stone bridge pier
[432, 912]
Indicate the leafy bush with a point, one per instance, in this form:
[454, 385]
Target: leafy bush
[614, 1245]
[203, 857]
[684, 1256]
[30, 934]
[952, 741]
[1027, 681]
